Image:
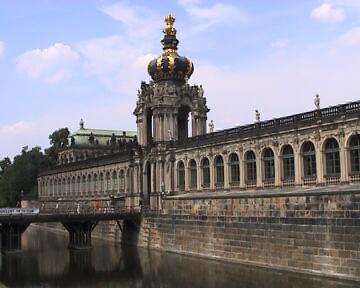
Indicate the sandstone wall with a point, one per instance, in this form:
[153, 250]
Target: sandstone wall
[308, 232]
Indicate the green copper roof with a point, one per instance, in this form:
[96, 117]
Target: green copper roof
[104, 132]
[102, 136]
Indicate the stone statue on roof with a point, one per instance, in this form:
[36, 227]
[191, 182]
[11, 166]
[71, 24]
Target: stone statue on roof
[81, 123]
[317, 101]
[201, 91]
[211, 126]
[91, 138]
[257, 116]
[113, 139]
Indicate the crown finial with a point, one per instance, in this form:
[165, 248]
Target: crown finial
[169, 28]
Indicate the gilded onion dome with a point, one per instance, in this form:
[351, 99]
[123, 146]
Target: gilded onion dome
[170, 65]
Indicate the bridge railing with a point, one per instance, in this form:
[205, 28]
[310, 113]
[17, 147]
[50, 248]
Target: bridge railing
[88, 210]
[19, 211]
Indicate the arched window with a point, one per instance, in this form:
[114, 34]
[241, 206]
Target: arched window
[55, 187]
[59, 187]
[181, 175]
[182, 122]
[51, 187]
[63, 189]
[193, 174]
[101, 184]
[250, 159]
[234, 169]
[122, 180]
[205, 165]
[149, 126]
[108, 187]
[269, 165]
[332, 157]
[83, 185]
[115, 184]
[89, 184]
[96, 188]
[219, 165]
[78, 183]
[73, 186]
[68, 186]
[288, 163]
[354, 148]
[309, 159]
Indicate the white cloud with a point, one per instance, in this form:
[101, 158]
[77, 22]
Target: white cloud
[346, 3]
[326, 12]
[188, 2]
[19, 127]
[351, 37]
[52, 64]
[139, 21]
[281, 43]
[2, 48]
[115, 62]
[219, 13]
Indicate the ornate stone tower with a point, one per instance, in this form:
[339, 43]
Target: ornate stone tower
[164, 104]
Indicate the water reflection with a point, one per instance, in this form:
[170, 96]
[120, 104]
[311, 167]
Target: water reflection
[46, 262]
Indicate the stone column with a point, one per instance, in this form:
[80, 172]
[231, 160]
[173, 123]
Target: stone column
[259, 169]
[166, 127]
[54, 188]
[136, 179]
[172, 176]
[297, 164]
[161, 175]
[319, 163]
[242, 167]
[187, 184]
[344, 166]
[146, 135]
[193, 124]
[126, 180]
[144, 181]
[140, 128]
[131, 180]
[198, 174]
[153, 177]
[167, 175]
[203, 125]
[212, 173]
[226, 172]
[40, 188]
[277, 164]
[175, 127]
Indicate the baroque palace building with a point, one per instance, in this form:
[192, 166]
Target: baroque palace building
[314, 148]
[282, 193]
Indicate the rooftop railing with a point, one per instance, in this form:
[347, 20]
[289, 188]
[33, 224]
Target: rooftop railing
[264, 126]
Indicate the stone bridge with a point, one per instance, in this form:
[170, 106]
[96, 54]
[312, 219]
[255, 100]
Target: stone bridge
[79, 222]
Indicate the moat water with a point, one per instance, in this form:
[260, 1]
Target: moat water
[46, 262]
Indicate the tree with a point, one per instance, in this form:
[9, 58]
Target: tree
[59, 140]
[21, 175]
[4, 164]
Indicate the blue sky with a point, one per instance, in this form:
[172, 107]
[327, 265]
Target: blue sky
[65, 60]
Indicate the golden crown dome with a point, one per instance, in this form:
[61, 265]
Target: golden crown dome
[169, 65]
